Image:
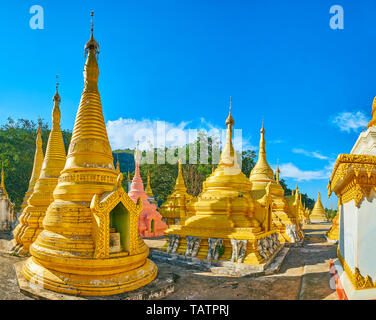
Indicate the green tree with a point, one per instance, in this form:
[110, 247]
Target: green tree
[17, 149]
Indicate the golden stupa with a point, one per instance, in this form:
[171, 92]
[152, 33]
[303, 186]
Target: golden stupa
[295, 206]
[333, 233]
[37, 167]
[318, 211]
[32, 216]
[228, 224]
[261, 177]
[149, 191]
[175, 209]
[90, 245]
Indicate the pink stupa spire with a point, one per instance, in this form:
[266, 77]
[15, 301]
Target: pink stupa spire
[150, 223]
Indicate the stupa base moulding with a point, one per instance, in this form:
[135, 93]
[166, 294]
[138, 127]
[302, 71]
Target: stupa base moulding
[162, 286]
[271, 266]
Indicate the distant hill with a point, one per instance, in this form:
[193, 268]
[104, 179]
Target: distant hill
[126, 159]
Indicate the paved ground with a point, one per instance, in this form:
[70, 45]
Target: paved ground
[304, 275]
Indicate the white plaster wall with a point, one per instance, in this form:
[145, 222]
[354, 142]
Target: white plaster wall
[366, 142]
[367, 237]
[5, 217]
[348, 229]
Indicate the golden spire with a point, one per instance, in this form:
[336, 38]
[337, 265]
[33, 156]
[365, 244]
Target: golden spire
[228, 155]
[3, 191]
[373, 120]
[32, 216]
[37, 165]
[89, 132]
[180, 184]
[148, 189]
[277, 172]
[129, 176]
[117, 164]
[262, 170]
[91, 70]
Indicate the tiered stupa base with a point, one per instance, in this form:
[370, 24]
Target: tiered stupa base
[97, 280]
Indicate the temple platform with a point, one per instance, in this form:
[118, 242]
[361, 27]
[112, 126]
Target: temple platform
[162, 286]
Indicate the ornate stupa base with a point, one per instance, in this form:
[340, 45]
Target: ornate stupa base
[221, 266]
[246, 247]
[103, 281]
[344, 284]
[160, 287]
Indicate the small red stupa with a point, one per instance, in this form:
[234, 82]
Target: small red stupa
[150, 223]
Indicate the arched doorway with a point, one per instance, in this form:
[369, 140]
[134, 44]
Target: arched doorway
[152, 226]
[120, 223]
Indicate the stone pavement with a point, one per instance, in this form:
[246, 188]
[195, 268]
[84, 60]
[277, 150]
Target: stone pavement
[304, 275]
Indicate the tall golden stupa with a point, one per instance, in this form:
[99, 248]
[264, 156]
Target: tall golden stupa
[175, 209]
[149, 191]
[262, 177]
[90, 245]
[37, 167]
[228, 224]
[318, 211]
[32, 216]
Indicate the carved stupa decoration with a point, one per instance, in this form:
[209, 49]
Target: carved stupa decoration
[90, 245]
[31, 220]
[150, 222]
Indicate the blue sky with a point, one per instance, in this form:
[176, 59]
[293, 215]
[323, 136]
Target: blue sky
[179, 61]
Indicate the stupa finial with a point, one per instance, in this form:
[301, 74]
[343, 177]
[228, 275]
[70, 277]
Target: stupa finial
[92, 44]
[117, 163]
[228, 156]
[56, 115]
[277, 172]
[230, 120]
[262, 169]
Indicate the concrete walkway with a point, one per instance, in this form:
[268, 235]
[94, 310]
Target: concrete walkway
[304, 275]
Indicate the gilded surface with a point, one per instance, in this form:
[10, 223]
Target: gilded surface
[353, 177]
[226, 210]
[70, 255]
[358, 281]
[31, 219]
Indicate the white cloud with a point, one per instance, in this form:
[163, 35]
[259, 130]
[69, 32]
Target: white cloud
[310, 154]
[124, 133]
[350, 121]
[289, 170]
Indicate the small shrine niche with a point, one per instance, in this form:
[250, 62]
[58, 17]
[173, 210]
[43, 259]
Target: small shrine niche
[119, 229]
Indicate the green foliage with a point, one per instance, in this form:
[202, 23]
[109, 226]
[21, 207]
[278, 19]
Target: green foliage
[17, 149]
[330, 213]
